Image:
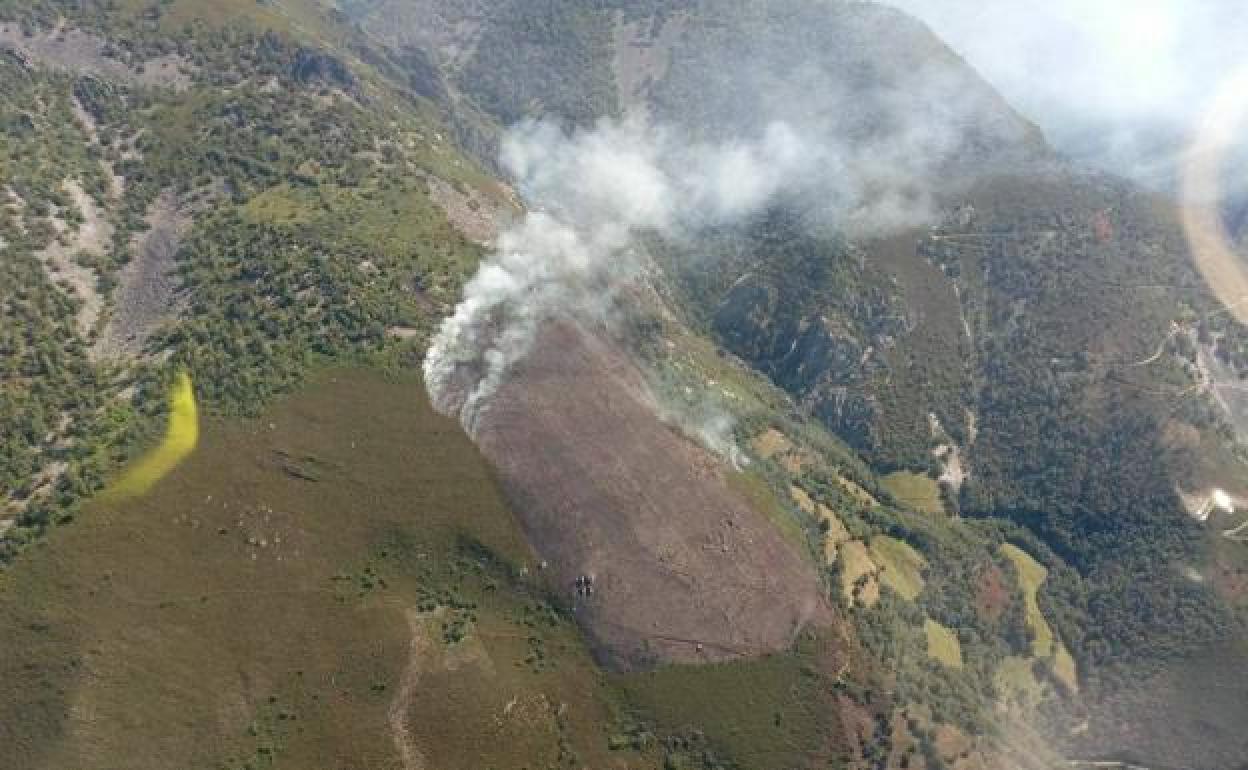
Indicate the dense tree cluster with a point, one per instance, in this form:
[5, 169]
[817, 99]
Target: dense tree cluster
[313, 231]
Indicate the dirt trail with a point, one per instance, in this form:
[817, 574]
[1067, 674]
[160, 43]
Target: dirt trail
[419, 654]
[1175, 329]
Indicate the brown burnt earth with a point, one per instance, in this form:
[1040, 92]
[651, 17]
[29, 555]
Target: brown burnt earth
[661, 559]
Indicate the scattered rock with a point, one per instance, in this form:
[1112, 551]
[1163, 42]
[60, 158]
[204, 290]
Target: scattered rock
[91, 237]
[72, 50]
[146, 296]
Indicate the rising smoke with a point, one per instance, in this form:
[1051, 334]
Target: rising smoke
[773, 121]
[590, 192]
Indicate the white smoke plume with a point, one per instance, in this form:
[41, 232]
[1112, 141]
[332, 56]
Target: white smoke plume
[591, 191]
[715, 432]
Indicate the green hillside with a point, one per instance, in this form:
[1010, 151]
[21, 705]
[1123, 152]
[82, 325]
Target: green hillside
[982, 419]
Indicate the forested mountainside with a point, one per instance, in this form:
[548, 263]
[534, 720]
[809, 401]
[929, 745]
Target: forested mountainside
[1041, 344]
[149, 156]
[982, 398]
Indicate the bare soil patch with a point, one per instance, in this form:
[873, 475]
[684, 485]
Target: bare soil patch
[770, 443]
[992, 593]
[683, 569]
[473, 214]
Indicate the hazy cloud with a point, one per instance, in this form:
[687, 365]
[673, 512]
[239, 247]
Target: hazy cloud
[1116, 82]
[589, 192]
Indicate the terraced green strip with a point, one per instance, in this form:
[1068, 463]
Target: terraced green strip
[943, 644]
[1045, 646]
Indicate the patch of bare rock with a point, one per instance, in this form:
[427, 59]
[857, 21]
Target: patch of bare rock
[67, 49]
[476, 216]
[146, 295]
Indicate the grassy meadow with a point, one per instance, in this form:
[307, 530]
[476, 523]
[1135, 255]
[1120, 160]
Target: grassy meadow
[339, 582]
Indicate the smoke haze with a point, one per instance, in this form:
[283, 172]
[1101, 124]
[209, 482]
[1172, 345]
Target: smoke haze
[1115, 83]
[743, 122]
[589, 192]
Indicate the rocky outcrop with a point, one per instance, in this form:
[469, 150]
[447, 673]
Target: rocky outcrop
[819, 361]
[317, 66]
[82, 53]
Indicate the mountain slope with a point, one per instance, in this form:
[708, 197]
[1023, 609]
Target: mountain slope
[966, 295]
[683, 568]
[971, 386]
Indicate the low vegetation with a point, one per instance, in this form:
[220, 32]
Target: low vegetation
[303, 141]
[942, 644]
[914, 490]
[901, 567]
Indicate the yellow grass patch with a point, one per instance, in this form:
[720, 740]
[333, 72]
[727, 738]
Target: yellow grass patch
[802, 499]
[1032, 575]
[901, 567]
[914, 490]
[943, 644]
[1064, 668]
[770, 443]
[835, 531]
[856, 563]
[855, 489]
[835, 535]
[1018, 684]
